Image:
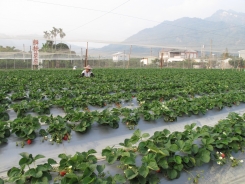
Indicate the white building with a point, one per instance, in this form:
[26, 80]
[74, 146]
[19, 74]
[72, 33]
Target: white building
[242, 54]
[119, 56]
[224, 64]
[177, 55]
[147, 60]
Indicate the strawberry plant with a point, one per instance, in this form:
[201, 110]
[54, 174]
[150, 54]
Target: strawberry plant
[112, 154]
[4, 99]
[21, 108]
[57, 128]
[81, 121]
[4, 116]
[36, 94]
[131, 120]
[40, 173]
[81, 168]
[77, 162]
[25, 127]
[96, 100]
[40, 107]
[107, 118]
[4, 132]
[20, 95]
[81, 127]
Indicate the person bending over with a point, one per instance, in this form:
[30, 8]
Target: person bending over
[87, 72]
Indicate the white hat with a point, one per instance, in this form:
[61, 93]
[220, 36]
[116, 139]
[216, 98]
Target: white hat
[88, 67]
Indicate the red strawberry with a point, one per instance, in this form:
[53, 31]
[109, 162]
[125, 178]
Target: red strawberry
[222, 155]
[158, 171]
[62, 173]
[29, 141]
[65, 137]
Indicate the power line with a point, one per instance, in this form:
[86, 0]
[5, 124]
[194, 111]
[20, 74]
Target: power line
[110, 12]
[90, 9]
[107, 12]
[99, 16]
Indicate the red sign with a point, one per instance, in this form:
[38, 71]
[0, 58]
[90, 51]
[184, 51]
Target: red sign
[35, 53]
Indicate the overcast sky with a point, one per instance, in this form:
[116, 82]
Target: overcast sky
[101, 20]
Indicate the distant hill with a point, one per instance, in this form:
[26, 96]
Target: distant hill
[230, 17]
[226, 29]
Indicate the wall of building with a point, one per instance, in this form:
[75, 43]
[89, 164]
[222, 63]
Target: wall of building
[242, 54]
[120, 57]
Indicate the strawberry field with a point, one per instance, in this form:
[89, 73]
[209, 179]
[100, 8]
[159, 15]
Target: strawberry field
[122, 126]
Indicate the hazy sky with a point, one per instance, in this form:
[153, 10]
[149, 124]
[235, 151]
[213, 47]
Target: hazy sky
[101, 20]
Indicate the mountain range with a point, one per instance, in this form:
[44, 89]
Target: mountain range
[224, 29]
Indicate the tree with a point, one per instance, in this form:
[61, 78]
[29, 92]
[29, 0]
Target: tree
[155, 61]
[46, 35]
[54, 33]
[62, 35]
[237, 63]
[226, 54]
[49, 46]
[8, 49]
[62, 46]
[49, 36]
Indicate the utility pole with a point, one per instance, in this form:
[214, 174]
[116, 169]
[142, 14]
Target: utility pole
[23, 52]
[210, 62]
[161, 58]
[203, 55]
[151, 51]
[124, 59]
[222, 62]
[70, 56]
[190, 60]
[129, 55]
[86, 57]
[81, 57]
[31, 58]
[99, 60]
[14, 61]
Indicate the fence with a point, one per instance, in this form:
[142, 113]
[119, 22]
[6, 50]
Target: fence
[127, 56]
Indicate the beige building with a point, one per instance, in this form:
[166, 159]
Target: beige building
[242, 54]
[224, 64]
[147, 60]
[177, 55]
[120, 56]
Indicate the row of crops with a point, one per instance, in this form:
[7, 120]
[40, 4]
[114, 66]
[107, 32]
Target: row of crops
[140, 159]
[160, 93]
[166, 94]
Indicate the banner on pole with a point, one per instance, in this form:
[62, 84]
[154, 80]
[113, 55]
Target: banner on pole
[35, 53]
